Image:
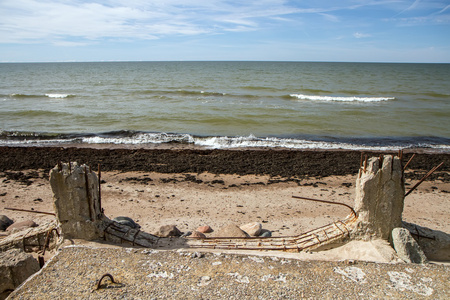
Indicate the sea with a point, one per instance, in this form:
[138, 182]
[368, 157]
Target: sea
[223, 105]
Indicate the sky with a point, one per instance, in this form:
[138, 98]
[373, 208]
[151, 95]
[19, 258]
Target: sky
[199, 30]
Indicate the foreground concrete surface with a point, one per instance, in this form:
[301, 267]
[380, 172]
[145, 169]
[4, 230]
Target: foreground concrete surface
[174, 274]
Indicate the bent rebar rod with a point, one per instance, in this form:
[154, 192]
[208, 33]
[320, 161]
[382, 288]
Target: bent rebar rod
[329, 202]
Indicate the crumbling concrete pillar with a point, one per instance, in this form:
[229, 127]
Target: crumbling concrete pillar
[379, 197]
[76, 200]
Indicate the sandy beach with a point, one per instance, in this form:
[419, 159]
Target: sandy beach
[190, 188]
[193, 187]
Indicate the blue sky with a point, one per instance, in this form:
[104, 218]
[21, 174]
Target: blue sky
[134, 30]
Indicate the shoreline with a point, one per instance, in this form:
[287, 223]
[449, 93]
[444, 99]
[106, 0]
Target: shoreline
[272, 162]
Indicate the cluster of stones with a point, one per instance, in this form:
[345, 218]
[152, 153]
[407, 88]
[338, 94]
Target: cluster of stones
[253, 229]
[8, 226]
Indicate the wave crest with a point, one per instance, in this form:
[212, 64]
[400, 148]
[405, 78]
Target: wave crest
[341, 98]
[221, 142]
[59, 95]
[49, 95]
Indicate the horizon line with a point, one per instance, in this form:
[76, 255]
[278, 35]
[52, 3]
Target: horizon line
[286, 61]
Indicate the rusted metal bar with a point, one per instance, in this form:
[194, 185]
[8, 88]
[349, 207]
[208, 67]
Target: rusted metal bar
[100, 281]
[339, 228]
[41, 261]
[361, 160]
[409, 161]
[135, 235]
[423, 179]
[100, 188]
[365, 163]
[361, 164]
[329, 202]
[47, 239]
[23, 240]
[88, 196]
[31, 211]
[400, 154]
[421, 236]
[345, 226]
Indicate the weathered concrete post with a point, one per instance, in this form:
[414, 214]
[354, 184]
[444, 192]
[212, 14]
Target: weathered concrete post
[379, 197]
[76, 200]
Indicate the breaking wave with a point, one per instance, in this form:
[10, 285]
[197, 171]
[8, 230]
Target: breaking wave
[341, 98]
[52, 95]
[223, 142]
[59, 95]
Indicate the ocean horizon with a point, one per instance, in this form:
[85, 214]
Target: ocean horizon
[227, 104]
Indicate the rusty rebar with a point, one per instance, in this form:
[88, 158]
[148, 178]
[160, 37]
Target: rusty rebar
[365, 163]
[47, 239]
[88, 196]
[100, 188]
[421, 236]
[329, 202]
[41, 261]
[361, 164]
[361, 160]
[31, 211]
[106, 275]
[423, 179]
[380, 162]
[409, 161]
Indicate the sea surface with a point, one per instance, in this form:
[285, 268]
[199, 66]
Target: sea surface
[300, 105]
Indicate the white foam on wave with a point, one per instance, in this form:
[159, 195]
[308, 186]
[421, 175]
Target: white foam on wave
[253, 142]
[340, 98]
[59, 95]
[141, 138]
[223, 142]
[34, 142]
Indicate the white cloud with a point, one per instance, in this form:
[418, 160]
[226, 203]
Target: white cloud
[444, 9]
[25, 21]
[53, 21]
[360, 35]
[68, 44]
[330, 18]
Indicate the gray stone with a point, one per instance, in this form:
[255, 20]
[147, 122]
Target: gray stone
[252, 229]
[434, 243]
[265, 233]
[15, 267]
[169, 230]
[406, 247]
[186, 234]
[230, 230]
[5, 222]
[127, 222]
[21, 225]
[198, 235]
